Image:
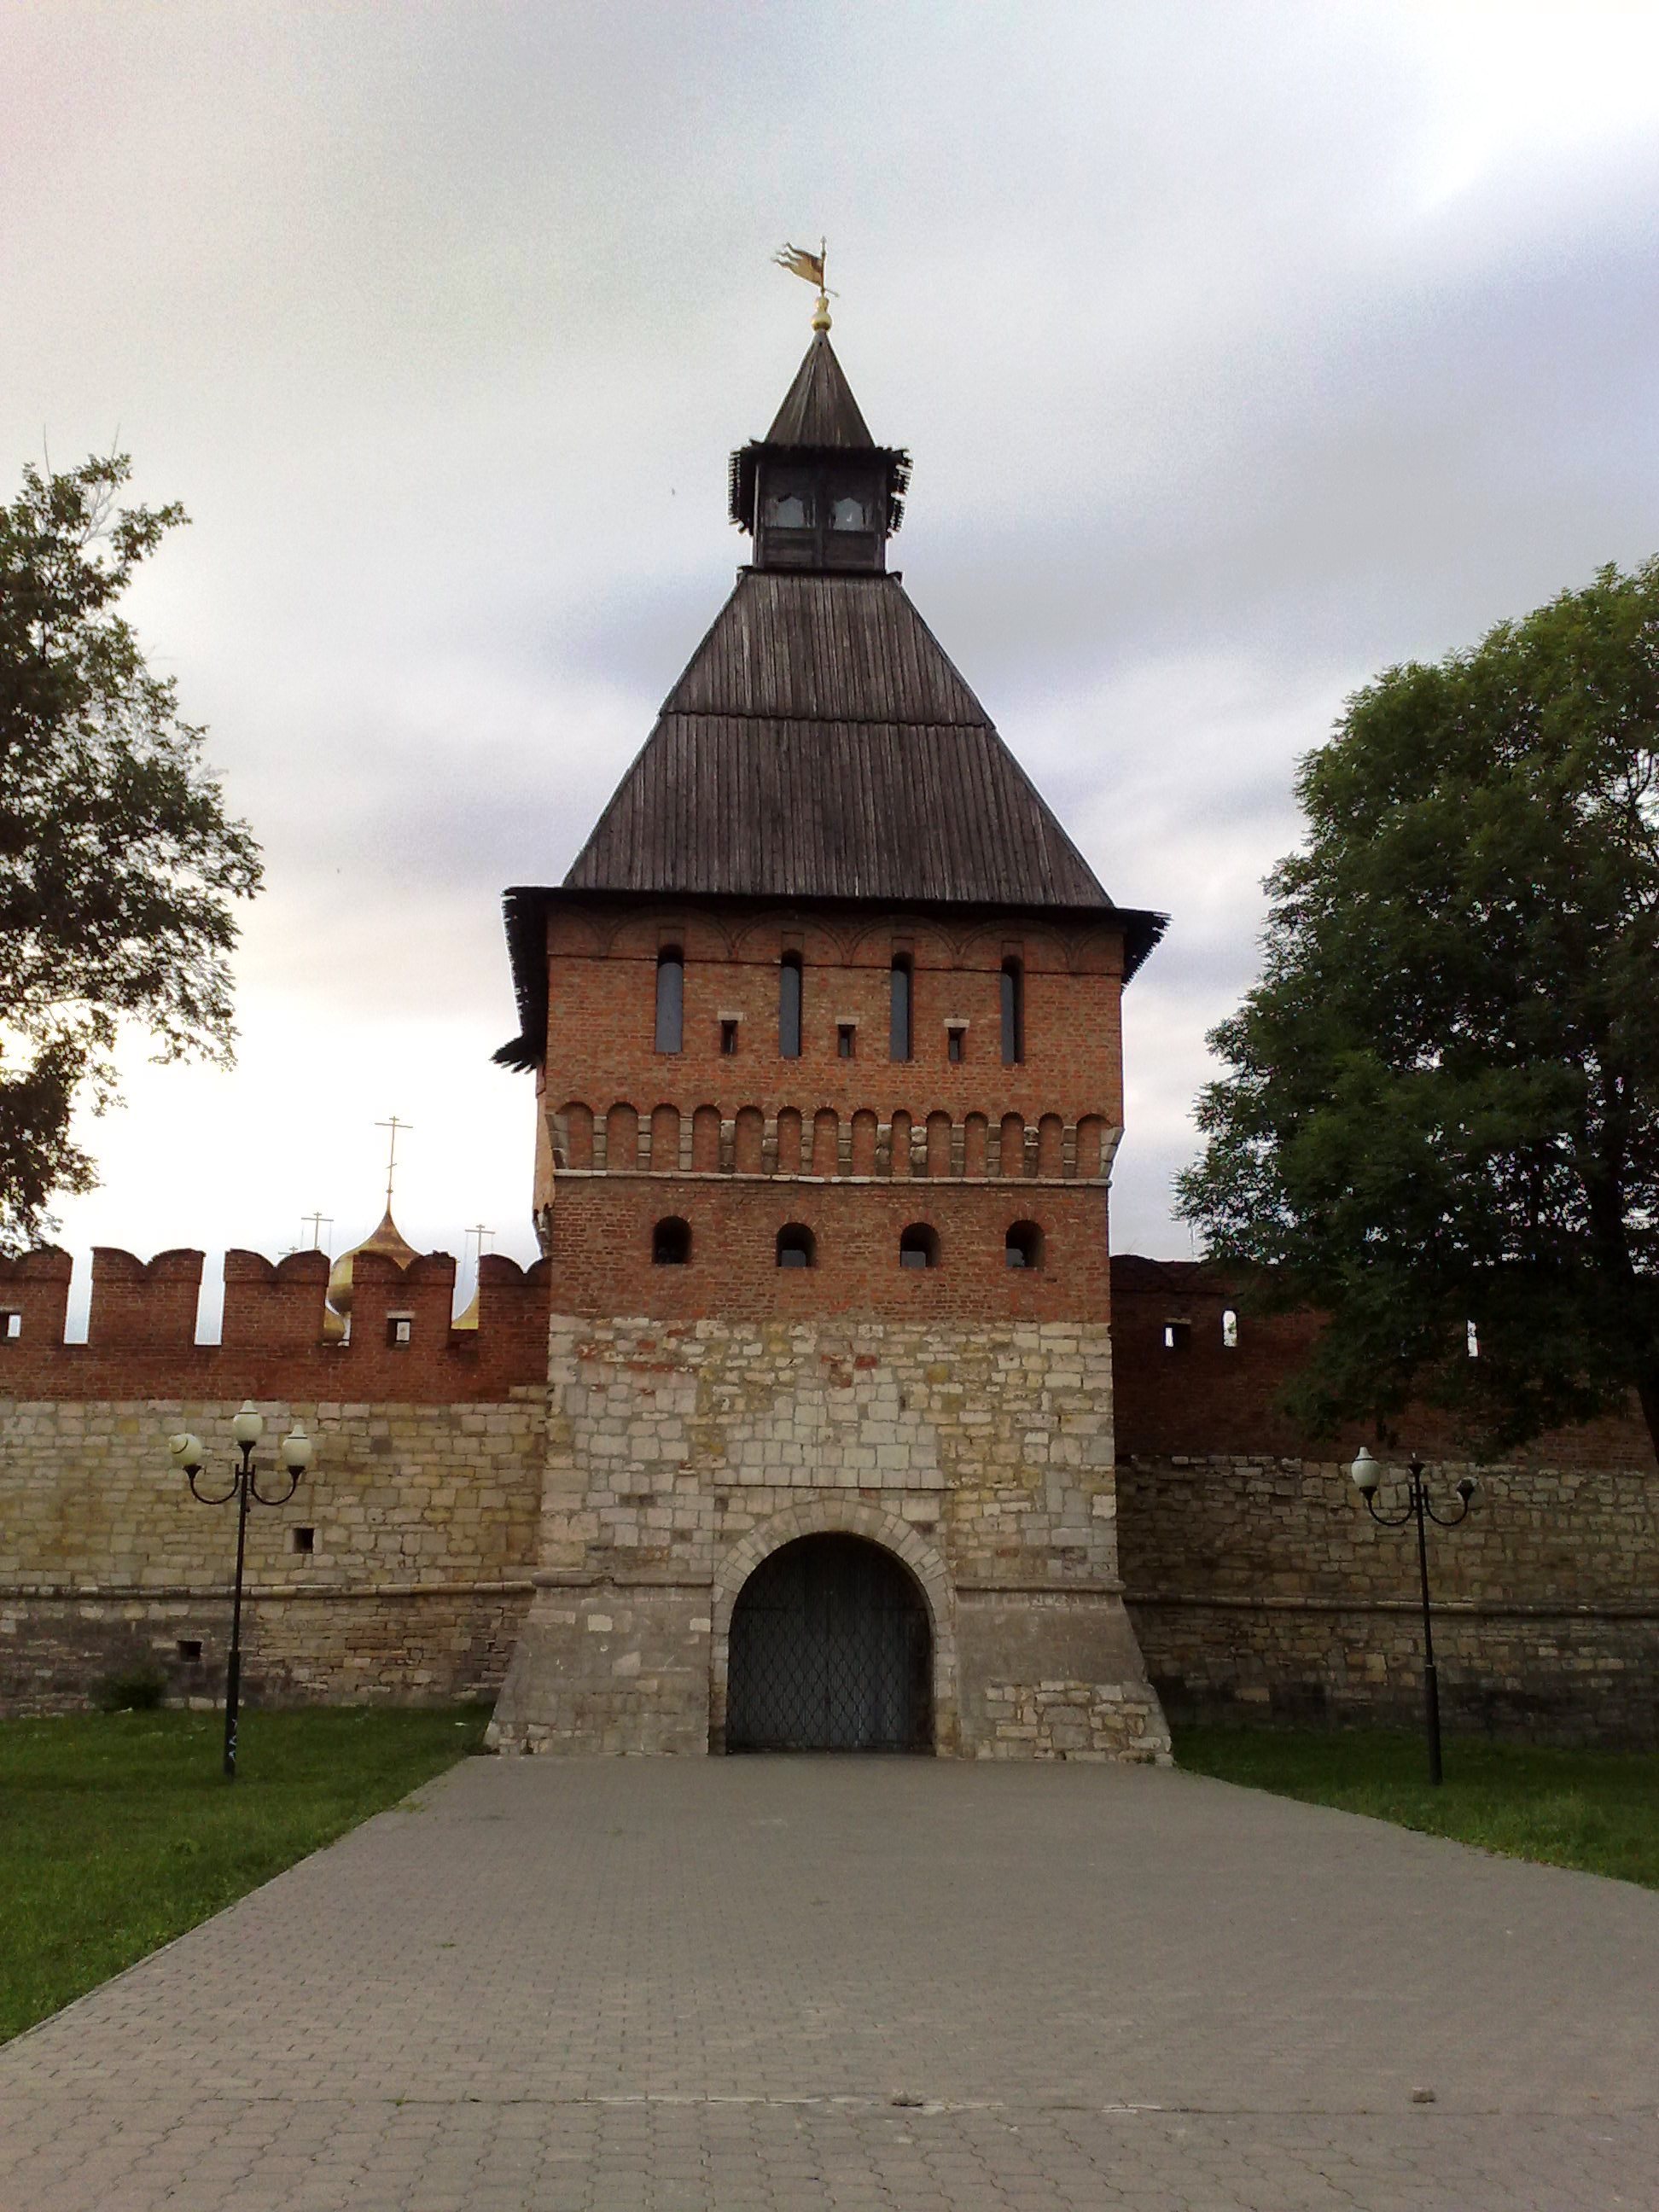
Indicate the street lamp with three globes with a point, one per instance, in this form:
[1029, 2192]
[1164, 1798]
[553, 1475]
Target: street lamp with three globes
[1367, 1474]
[295, 1452]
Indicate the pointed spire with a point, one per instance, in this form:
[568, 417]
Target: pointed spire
[819, 408]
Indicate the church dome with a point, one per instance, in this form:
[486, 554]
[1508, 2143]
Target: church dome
[387, 1240]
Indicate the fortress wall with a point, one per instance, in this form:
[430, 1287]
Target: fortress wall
[1262, 1590]
[422, 1518]
[141, 1334]
[1259, 1587]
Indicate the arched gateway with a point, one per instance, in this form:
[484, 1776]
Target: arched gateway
[830, 1651]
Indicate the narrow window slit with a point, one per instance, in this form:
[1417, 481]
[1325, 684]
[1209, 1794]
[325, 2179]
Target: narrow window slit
[671, 998]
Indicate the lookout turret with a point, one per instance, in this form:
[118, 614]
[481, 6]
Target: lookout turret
[817, 492]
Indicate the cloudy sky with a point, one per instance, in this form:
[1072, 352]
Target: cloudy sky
[1243, 348]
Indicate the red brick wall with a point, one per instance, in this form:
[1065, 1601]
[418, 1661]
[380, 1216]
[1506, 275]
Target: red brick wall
[601, 1256]
[141, 1328]
[601, 1017]
[1204, 1398]
[968, 1147]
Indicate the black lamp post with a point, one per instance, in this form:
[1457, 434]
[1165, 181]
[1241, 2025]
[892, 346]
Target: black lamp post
[1367, 1474]
[295, 1450]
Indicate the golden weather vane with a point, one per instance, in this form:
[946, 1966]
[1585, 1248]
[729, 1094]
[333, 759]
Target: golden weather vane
[810, 266]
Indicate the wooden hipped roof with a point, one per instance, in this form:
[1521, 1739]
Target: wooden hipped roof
[821, 745]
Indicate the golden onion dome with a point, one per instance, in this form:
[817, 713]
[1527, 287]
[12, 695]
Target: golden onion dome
[387, 1240]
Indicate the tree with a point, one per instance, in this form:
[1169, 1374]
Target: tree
[1441, 1098]
[118, 865]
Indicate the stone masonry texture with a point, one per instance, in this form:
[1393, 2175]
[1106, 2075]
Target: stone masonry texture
[421, 1520]
[681, 1453]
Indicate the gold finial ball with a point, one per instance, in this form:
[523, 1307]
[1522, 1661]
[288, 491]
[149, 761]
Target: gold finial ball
[821, 314]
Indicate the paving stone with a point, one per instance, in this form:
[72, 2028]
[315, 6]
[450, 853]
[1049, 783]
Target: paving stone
[666, 1985]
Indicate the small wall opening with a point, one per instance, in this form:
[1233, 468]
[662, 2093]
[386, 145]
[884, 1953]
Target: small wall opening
[670, 1243]
[728, 1037]
[898, 1046]
[791, 993]
[302, 1540]
[1013, 1012]
[1177, 1336]
[796, 1247]
[11, 1325]
[919, 1246]
[1230, 1331]
[671, 998]
[189, 1650]
[400, 1328]
[1022, 1245]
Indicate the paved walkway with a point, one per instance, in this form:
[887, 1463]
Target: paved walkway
[754, 1986]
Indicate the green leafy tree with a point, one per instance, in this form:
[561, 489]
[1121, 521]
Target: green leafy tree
[118, 865]
[1441, 1102]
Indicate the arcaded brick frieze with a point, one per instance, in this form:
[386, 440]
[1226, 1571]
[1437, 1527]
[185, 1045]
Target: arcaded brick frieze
[421, 1521]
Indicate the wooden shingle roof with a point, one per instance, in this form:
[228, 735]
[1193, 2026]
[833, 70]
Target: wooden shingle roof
[821, 745]
[818, 409]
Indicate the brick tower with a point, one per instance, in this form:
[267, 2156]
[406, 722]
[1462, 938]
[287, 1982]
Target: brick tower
[825, 1025]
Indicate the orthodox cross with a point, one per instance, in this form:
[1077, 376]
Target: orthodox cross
[394, 1125]
[317, 1223]
[478, 1231]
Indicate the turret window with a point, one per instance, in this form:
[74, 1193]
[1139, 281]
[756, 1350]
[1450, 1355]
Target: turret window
[670, 1243]
[671, 998]
[789, 511]
[796, 1248]
[789, 1005]
[1013, 1013]
[1023, 1246]
[898, 1046]
[849, 514]
[919, 1246]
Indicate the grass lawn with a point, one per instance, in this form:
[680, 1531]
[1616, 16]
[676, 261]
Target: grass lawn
[118, 1831]
[1597, 1810]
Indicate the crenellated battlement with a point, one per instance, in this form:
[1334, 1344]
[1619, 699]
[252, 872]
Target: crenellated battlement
[141, 1332]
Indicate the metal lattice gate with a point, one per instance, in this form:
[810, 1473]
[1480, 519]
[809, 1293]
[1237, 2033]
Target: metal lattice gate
[829, 1651]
